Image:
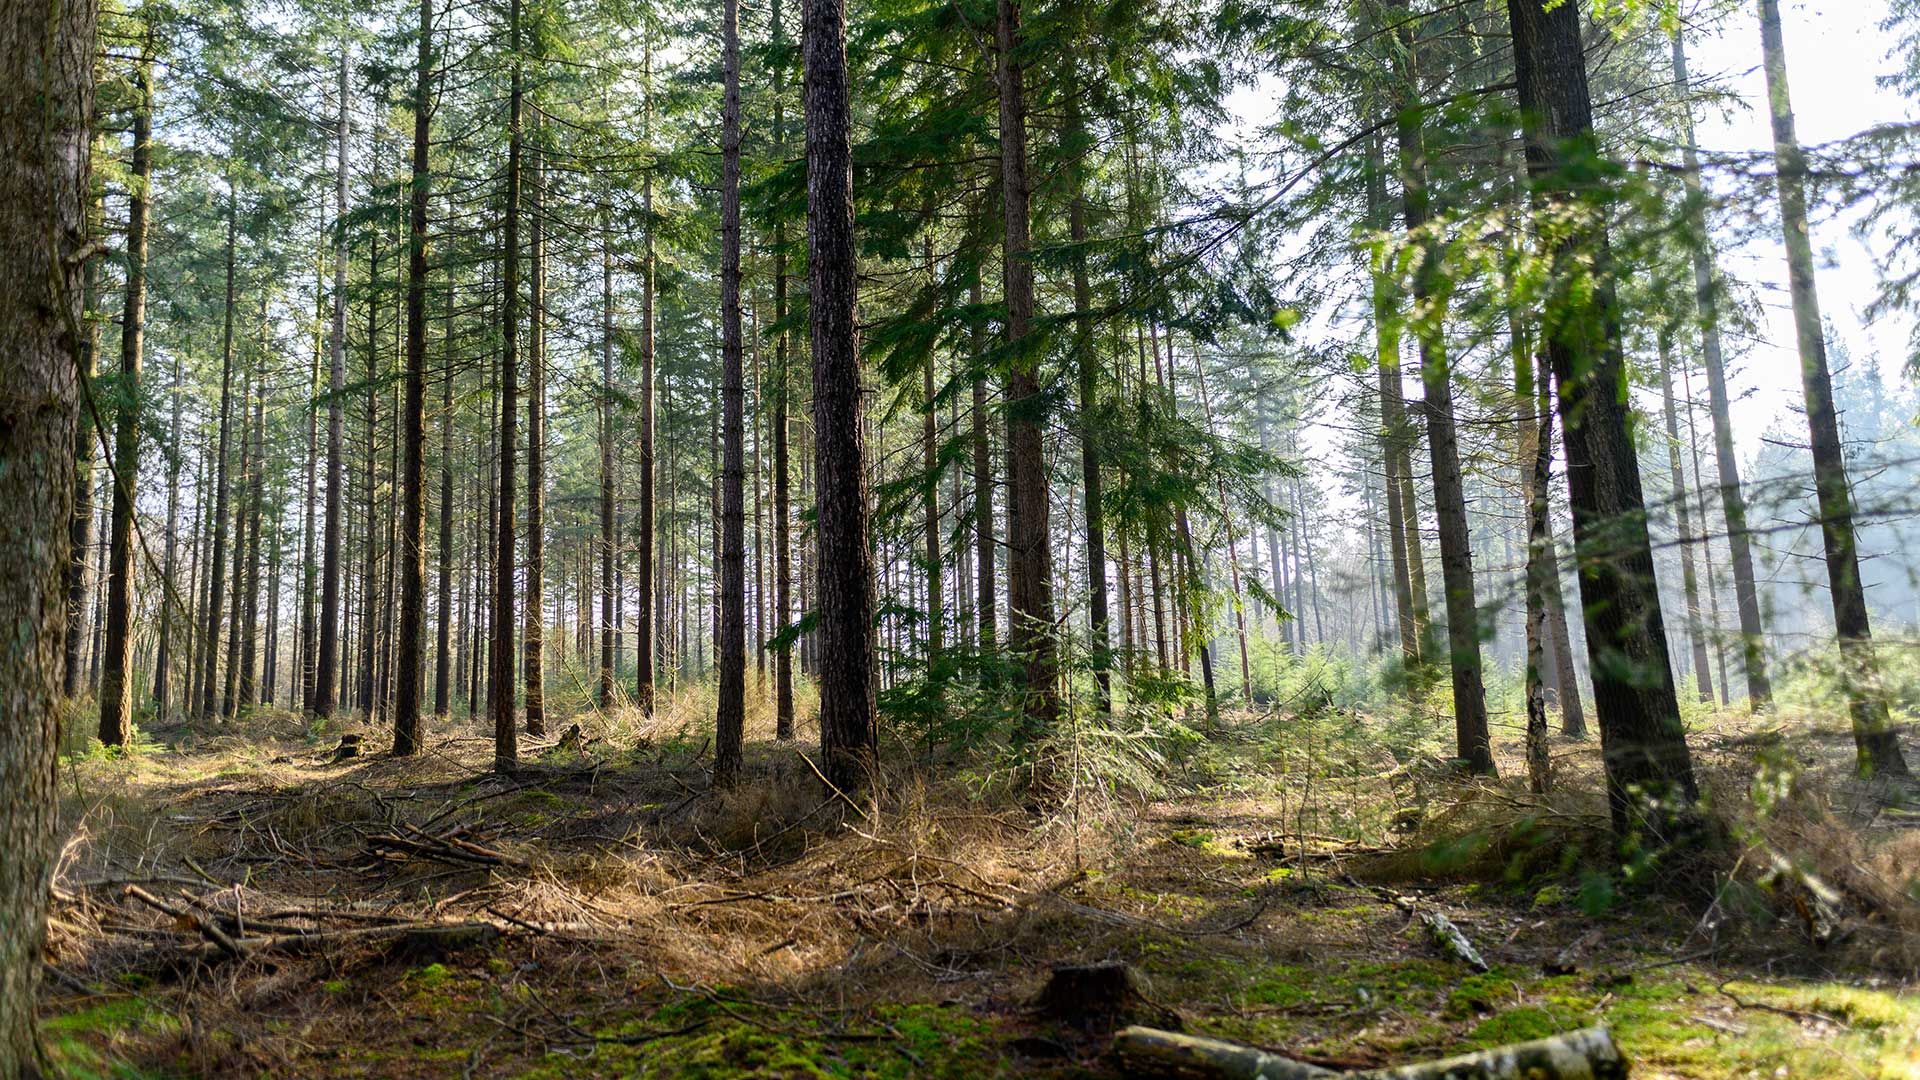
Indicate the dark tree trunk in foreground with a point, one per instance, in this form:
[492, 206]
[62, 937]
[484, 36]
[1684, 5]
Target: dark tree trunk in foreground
[506, 737]
[848, 734]
[730, 631]
[413, 420]
[1876, 742]
[1030, 631]
[46, 110]
[327, 660]
[1732, 503]
[1649, 770]
[116, 686]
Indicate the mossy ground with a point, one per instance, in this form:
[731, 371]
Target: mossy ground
[723, 940]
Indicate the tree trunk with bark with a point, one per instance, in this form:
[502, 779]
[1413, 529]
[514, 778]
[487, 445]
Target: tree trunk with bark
[46, 114]
[1649, 769]
[1876, 741]
[730, 630]
[848, 732]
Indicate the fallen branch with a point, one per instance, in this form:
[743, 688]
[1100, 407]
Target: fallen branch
[1586, 1054]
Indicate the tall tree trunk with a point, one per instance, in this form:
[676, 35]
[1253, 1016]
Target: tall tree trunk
[848, 732]
[506, 741]
[309, 564]
[730, 630]
[442, 664]
[1707, 306]
[217, 571]
[247, 612]
[1702, 673]
[1875, 739]
[1030, 550]
[1087, 365]
[46, 117]
[607, 624]
[85, 439]
[413, 418]
[116, 696]
[782, 384]
[327, 665]
[1536, 463]
[930, 490]
[1386, 330]
[1649, 769]
[645, 626]
[983, 530]
[1473, 744]
[533, 648]
[171, 596]
[370, 636]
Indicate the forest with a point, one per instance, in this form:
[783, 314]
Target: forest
[1075, 538]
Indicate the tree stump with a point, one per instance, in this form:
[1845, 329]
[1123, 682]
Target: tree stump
[1101, 997]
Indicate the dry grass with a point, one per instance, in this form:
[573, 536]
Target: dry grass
[631, 888]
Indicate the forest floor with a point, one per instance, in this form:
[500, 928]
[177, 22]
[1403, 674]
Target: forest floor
[624, 920]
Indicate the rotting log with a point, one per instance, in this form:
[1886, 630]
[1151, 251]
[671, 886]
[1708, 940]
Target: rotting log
[1586, 1054]
[1144, 1051]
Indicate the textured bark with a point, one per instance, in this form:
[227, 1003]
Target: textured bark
[246, 595]
[1876, 742]
[1649, 769]
[326, 662]
[413, 419]
[730, 630]
[46, 112]
[1733, 504]
[116, 686]
[848, 733]
[1536, 464]
[1473, 744]
[506, 737]
[309, 563]
[1030, 632]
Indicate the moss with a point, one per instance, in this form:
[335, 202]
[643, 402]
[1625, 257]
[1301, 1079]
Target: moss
[430, 977]
[334, 986]
[1520, 1024]
[1478, 994]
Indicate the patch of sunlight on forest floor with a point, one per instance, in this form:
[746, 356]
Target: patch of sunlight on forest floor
[646, 926]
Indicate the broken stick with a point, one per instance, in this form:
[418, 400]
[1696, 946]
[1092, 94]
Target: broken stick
[1586, 1054]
